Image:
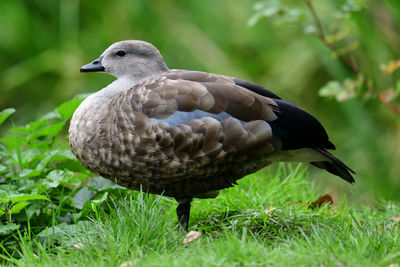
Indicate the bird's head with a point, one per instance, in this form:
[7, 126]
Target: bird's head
[132, 59]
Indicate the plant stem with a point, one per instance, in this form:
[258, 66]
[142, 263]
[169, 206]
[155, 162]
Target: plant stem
[17, 147]
[350, 62]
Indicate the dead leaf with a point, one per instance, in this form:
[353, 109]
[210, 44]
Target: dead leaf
[320, 201]
[294, 203]
[269, 210]
[391, 67]
[128, 263]
[333, 212]
[394, 265]
[79, 245]
[387, 95]
[191, 236]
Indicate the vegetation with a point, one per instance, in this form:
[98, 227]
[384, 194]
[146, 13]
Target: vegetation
[246, 225]
[44, 45]
[338, 59]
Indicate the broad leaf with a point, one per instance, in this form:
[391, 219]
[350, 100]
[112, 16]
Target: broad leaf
[3, 169]
[56, 177]
[5, 114]
[51, 130]
[31, 127]
[12, 141]
[8, 228]
[100, 198]
[56, 155]
[4, 196]
[68, 108]
[27, 173]
[264, 9]
[24, 197]
[82, 196]
[18, 207]
[101, 184]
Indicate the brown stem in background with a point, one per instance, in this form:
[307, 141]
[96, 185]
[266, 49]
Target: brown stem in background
[388, 104]
[350, 62]
[321, 34]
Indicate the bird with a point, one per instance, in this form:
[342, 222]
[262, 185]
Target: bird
[188, 134]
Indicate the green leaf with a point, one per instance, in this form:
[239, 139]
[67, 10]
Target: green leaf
[31, 127]
[8, 228]
[72, 165]
[3, 169]
[4, 196]
[51, 115]
[26, 173]
[82, 196]
[5, 114]
[341, 92]
[9, 188]
[264, 9]
[55, 155]
[310, 29]
[397, 88]
[56, 231]
[18, 207]
[24, 197]
[12, 141]
[354, 5]
[68, 108]
[100, 198]
[51, 130]
[59, 154]
[101, 184]
[57, 177]
[31, 156]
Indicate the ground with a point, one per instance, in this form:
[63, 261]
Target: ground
[267, 219]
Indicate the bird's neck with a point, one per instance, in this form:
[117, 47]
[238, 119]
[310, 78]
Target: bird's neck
[120, 85]
[115, 88]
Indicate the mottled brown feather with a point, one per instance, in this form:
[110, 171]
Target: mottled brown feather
[137, 150]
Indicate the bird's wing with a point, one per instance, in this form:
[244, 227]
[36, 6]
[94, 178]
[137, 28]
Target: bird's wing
[189, 104]
[182, 95]
[188, 91]
[246, 116]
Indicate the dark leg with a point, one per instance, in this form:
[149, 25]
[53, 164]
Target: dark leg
[183, 212]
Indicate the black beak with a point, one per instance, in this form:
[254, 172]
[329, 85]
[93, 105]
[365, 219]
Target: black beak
[93, 66]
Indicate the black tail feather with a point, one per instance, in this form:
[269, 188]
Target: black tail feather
[335, 166]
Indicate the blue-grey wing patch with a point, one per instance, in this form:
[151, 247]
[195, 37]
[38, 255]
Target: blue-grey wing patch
[181, 117]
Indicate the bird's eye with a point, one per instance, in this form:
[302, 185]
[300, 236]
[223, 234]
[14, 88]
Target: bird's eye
[121, 53]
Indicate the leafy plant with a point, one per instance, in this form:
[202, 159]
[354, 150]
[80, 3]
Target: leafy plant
[339, 40]
[42, 184]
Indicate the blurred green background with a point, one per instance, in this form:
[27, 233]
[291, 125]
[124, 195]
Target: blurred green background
[44, 43]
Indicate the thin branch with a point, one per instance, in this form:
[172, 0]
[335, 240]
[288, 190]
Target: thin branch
[389, 104]
[350, 62]
[321, 34]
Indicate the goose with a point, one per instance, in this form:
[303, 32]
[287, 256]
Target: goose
[188, 134]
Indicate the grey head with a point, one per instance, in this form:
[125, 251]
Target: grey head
[132, 59]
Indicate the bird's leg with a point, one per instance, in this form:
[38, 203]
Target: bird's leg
[183, 213]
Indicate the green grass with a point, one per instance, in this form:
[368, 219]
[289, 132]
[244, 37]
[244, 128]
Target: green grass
[141, 229]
